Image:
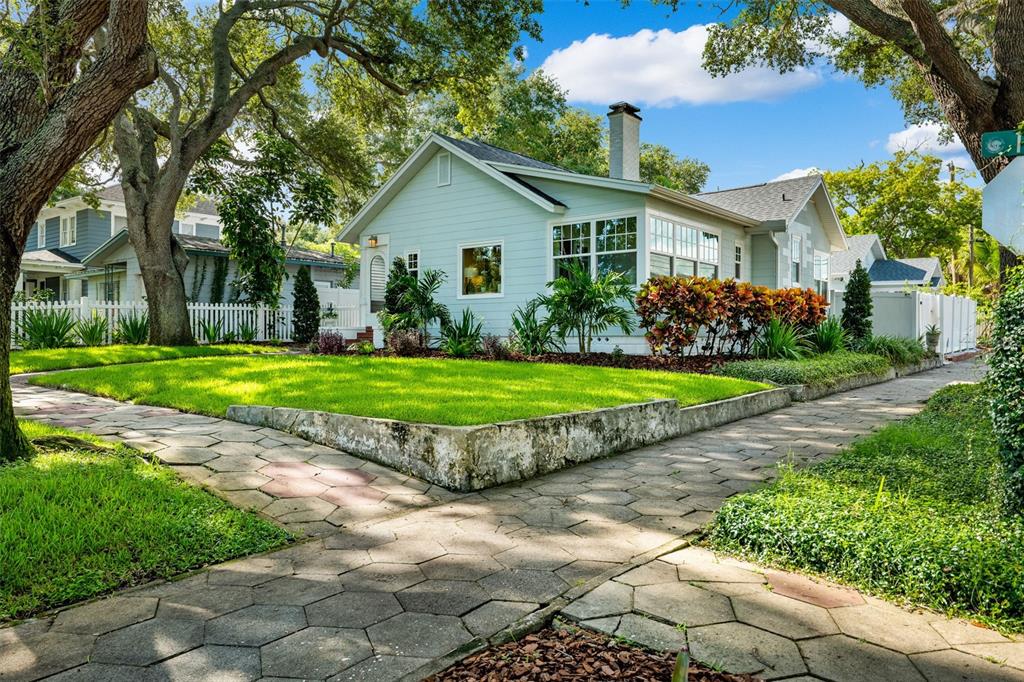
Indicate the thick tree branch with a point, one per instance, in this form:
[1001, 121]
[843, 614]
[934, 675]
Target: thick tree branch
[945, 58]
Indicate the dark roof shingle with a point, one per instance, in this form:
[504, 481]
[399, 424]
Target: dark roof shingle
[491, 154]
[895, 271]
[115, 193]
[192, 243]
[780, 200]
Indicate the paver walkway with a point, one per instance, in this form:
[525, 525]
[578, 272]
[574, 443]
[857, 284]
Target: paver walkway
[392, 594]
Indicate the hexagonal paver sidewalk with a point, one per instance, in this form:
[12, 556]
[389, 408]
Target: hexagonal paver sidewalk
[399, 573]
[308, 488]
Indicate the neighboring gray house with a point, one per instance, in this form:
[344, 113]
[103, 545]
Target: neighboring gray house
[887, 274]
[78, 251]
[502, 225]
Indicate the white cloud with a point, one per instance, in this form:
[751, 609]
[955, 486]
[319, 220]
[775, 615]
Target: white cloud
[797, 173]
[923, 138]
[661, 69]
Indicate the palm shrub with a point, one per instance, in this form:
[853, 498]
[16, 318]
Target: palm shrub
[132, 328]
[857, 305]
[531, 334]
[46, 329]
[779, 341]
[92, 332]
[247, 332]
[306, 308]
[421, 308]
[898, 350]
[1006, 378]
[827, 337]
[462, 338]
[584, 306]
[211, 332]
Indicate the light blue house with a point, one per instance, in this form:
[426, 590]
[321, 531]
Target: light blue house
[77, 250]
[502, 225]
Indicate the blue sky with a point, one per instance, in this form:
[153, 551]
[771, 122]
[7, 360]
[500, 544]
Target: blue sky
[753, 128]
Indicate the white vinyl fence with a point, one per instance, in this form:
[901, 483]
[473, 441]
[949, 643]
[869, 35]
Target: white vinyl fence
[910, 313]
[233, 318]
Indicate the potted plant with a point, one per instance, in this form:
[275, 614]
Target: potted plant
[931, 337]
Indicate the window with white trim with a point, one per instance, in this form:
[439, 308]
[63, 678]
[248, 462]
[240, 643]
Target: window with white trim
[187, 228]
[570, 244]
[709, 255]
[738, 262]
[821, 268]
[444, 169]
[616, 247]
[41, 234]
[481, 270]
[68, 231]
[412, 263]
[682, 250]
[600, 246]
[120, 223]
[795, 248]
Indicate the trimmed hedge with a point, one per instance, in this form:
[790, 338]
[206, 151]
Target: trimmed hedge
[817, 370]
[911, 512]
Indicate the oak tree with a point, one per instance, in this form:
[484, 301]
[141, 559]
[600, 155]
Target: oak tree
[66, 69]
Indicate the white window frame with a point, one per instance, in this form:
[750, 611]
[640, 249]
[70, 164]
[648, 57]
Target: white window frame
[796, 245]
[677, 244]
[500, 243]
[737, 261]
[592, 254]
[444, 169]
[181, 228]
[113, 223]
[68, 230]
[408, 259]
[825, 259]
[41, 234]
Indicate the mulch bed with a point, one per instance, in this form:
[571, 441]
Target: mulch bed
[566, 654]
[702, 364]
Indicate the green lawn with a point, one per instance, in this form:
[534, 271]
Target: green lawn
[457, 392]
[911, 512]
[77, 522]
[23, 361]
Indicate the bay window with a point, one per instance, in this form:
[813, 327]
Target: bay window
[481, 270]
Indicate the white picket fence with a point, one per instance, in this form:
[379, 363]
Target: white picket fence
[233, 318]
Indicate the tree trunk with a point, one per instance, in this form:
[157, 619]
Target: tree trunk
[13, 444]
[151, 196]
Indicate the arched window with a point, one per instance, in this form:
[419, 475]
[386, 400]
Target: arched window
[378, 282]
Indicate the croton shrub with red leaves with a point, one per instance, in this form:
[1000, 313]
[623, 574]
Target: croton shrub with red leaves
[697, 315]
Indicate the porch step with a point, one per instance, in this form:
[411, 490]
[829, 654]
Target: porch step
[365, 335]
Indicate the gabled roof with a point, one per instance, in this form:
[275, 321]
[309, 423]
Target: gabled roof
[212, 246]
[896, 271]
[858, 247]
[746, 206]
[491, 154]
[50, 256]
[779, 200]
[115, 193]
[930, 265]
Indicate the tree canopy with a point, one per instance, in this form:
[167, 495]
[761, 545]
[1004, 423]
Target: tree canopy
[530, 114]
[906, 202]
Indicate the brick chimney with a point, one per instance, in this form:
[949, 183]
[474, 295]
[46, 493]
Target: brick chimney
[624, 141]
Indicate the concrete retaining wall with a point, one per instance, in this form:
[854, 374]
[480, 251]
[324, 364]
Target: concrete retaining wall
[469, 458]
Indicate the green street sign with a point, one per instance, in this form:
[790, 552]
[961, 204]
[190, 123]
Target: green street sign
[1001, 143]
